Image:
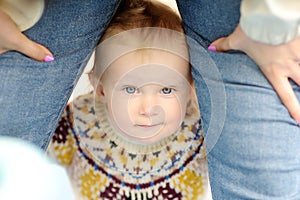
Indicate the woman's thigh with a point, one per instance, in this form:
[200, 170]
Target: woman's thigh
[252, 142]
[33, 94]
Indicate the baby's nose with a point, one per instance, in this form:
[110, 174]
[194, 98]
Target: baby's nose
[149, 107]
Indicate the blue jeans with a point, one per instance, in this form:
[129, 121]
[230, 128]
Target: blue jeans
[34, 94]
[253, 145]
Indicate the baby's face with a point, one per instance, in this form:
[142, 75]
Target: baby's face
[146, 94]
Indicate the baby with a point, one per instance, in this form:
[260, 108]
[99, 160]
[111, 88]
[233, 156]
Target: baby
[138, 134]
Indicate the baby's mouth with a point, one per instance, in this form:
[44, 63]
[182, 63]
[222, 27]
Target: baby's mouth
[147, 125]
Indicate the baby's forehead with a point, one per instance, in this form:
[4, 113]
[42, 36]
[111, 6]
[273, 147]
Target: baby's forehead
[146, 69]
[149, 60]
[150, 56]
[154, 75]
[140, 40]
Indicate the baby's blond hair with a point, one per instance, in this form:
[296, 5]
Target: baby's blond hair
[133, 14]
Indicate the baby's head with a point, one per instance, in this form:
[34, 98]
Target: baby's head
[142, 72]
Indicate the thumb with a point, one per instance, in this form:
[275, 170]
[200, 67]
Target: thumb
[220, 45]
[237, 40]
[33, 50]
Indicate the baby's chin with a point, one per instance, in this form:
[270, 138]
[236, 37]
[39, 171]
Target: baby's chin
[150, 140]
[146, 134]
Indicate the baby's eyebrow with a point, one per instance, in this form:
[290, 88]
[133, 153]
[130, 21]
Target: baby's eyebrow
[139, 82]
[175, 82]
[170, 86]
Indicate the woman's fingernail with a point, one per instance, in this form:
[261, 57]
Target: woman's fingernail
[212, 48]
[49, 58]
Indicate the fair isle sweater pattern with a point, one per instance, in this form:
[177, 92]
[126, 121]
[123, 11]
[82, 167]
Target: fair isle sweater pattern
[102, 165]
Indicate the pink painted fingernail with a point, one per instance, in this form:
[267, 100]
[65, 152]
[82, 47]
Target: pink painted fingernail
[212, 48]
[49, 58]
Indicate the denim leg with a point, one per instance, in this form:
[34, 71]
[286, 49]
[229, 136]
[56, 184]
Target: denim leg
[253, 146]
[33, 94]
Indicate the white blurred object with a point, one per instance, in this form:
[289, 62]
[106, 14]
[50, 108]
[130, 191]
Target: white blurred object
[27, 173]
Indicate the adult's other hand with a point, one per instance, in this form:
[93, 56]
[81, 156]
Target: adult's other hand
[279, 63]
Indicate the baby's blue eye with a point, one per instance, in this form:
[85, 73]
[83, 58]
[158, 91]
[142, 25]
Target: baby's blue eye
[166, 90]
[130, 90]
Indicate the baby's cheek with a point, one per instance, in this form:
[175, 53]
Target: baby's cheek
[120, 112]
[173, 113]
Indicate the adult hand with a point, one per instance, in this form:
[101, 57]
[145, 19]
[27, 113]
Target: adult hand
[11, 38]
[279, 63]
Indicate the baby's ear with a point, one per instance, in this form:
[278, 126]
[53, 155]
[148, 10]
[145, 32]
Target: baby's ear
[100, 92]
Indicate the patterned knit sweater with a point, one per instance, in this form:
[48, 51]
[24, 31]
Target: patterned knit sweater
[103, 166]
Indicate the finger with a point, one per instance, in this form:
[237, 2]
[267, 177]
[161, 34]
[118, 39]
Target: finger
[288, 97]
[33, 50]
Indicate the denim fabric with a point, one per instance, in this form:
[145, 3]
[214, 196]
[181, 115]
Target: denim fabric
[33, 94]
[252, 142]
